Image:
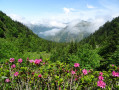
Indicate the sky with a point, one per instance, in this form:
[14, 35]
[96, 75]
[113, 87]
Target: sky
[60, 12]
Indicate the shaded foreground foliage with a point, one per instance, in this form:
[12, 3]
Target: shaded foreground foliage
[43, 75]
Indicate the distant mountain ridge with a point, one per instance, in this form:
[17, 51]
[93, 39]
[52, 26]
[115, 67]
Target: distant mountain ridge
[38, 29]
[75, 32]
[72, 32]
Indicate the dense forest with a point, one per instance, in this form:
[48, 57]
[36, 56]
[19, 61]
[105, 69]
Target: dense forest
[86, 65]
[16, 39]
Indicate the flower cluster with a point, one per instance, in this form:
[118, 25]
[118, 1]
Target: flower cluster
[12, 60]
[115, 74]
[7, 80]
[76, 64]
[100, 82]
[55, 73]
[36, 61]
[16, 74]
[13, 66]
[84, 71]
[73, 72]
[20, 60]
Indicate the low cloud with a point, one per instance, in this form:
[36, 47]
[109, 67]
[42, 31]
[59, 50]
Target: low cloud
[19, 18]
[90, 6]
[52, 32]
[56, 24]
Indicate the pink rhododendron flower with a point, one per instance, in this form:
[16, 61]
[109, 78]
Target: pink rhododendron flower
[84, 71]
[40, 60]
[101, 84]
[100, 78]
[7, 80]
[31, 61]
[13, 66]
[12, 60]
[73, 72]
[89, 71]
[76, 64]
[43, 63]
[112, 64]
[16, 74]
[37, 61]
[39, 75]
[20, 60]
[115, 74]
[101, 73]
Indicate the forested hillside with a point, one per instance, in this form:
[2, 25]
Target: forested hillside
[30, 63]
[106, 41]
[96, 51]
[16, 39]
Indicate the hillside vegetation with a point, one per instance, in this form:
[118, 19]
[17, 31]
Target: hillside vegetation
[96, 51]
[31, 63]
[16, 39]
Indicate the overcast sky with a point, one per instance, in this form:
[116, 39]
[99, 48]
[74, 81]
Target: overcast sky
[59, 12]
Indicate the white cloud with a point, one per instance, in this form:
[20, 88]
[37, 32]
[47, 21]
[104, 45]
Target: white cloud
[50, 32]
[67, 10]
[56, 24]
[19, 18]
[90, 6]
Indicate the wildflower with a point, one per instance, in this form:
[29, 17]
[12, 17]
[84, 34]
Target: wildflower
[12, 60]
[100, 78]
[16, 74]
[7, 80]
[31, 61]
[43, 63]
[89, 71]
[101, 84]
[76, 64]
[113, 65]
[39, 75]
[40, 60]
[73, 72]
[37, 61]
[13, 66]
[115, 74]
[20, 60]
[101, 73]
[84, 71]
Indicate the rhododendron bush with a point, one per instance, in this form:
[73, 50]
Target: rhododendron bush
[40, 74]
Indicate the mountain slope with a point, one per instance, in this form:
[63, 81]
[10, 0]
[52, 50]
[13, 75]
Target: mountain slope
[106, 41]
[16, 39]
[39, 29]
[98, 50]
[73, 32]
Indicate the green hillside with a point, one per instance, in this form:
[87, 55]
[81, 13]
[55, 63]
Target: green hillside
[28, 62]
[96, 51]
[106, 40]
[16, 39]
